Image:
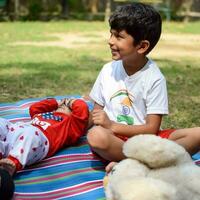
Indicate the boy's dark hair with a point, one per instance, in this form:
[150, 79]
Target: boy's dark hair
[7, 186]
[139, 20]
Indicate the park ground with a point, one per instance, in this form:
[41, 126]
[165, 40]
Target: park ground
[57, 58]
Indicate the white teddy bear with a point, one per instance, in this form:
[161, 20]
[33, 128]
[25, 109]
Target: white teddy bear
[155, 169]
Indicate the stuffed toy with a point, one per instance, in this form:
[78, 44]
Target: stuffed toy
[155, 169]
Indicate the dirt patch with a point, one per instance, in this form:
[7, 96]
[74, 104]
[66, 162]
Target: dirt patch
[170, 45]
[178, 45]
[71, 40]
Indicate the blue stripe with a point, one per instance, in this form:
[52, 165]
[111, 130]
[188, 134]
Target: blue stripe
[65, 181]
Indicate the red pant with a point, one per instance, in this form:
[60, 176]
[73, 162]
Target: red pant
[162, 133]
[165, 133]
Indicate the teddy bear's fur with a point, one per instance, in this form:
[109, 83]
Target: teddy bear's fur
[155, 169]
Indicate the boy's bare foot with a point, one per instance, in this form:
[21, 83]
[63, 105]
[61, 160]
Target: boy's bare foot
[8, 165]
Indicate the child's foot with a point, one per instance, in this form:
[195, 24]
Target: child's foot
[8, 165]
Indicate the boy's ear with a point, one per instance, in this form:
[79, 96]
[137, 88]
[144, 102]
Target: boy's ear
[143, 46]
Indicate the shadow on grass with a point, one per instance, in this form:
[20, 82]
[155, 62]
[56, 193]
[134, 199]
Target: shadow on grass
[26, 80]
[39, 79]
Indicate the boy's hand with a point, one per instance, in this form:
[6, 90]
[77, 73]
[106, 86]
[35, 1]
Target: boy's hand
[100, 117]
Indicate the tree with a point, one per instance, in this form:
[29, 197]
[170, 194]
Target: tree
[187, 8]
[107, 10]
[16, 6]
[65, 8]
[93, 5]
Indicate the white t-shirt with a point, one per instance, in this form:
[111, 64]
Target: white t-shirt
[129, 99]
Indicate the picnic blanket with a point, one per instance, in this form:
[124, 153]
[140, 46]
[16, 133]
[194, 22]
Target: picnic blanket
[74, 173]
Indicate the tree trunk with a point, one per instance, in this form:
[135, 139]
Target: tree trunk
[94, 6]
[8, 7]
[16, 6]
[188, 6]
[107, 10]
[45, 5]
[65, 8]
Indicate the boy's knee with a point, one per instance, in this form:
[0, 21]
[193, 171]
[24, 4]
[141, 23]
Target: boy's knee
[97, 138]
[196, 134]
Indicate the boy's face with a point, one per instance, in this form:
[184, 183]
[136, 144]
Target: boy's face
[122, 45]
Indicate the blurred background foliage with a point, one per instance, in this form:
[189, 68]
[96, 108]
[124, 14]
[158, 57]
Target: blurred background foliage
[46, 10]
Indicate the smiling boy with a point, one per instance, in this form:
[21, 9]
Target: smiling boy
[130, 93]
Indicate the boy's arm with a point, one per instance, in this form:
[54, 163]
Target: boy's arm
[90, 121]
[46, 105]
[152, 125]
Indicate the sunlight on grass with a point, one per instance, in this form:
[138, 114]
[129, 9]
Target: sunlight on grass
[67, 56]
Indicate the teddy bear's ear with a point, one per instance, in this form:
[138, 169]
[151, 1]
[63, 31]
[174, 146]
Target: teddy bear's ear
[154, 151]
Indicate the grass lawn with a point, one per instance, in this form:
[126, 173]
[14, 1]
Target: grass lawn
[40, 59]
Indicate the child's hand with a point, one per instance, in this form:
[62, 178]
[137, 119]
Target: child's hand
[61, 102]
[69, 102]
[110, 166]
[66, 102]
[100, 117]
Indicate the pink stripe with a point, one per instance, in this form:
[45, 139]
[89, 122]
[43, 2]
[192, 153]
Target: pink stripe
[27, 105]
[53, 165]
[67, 156]
[24, 119]
[69, 191]
[14, 107]
[57, 176]
[197, 162]
[63, 159]
[66, 192]
[56, 164]
[68, 160]
[79, 191]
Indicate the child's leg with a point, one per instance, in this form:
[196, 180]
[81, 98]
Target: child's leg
[30, 146]
[189, 138]
[4, 145]
[104, 143]
[4, 128]
[3, 149]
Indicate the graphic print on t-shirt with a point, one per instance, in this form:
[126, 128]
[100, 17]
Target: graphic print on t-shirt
[125, 100]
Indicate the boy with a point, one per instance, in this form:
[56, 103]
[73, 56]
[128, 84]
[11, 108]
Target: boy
[130, 92]
[54, 125]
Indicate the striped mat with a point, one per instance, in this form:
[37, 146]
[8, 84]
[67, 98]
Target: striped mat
[74, 173]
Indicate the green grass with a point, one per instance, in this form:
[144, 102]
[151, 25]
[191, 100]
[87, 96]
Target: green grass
[183, 83]
[174, 27]
[28, 71]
